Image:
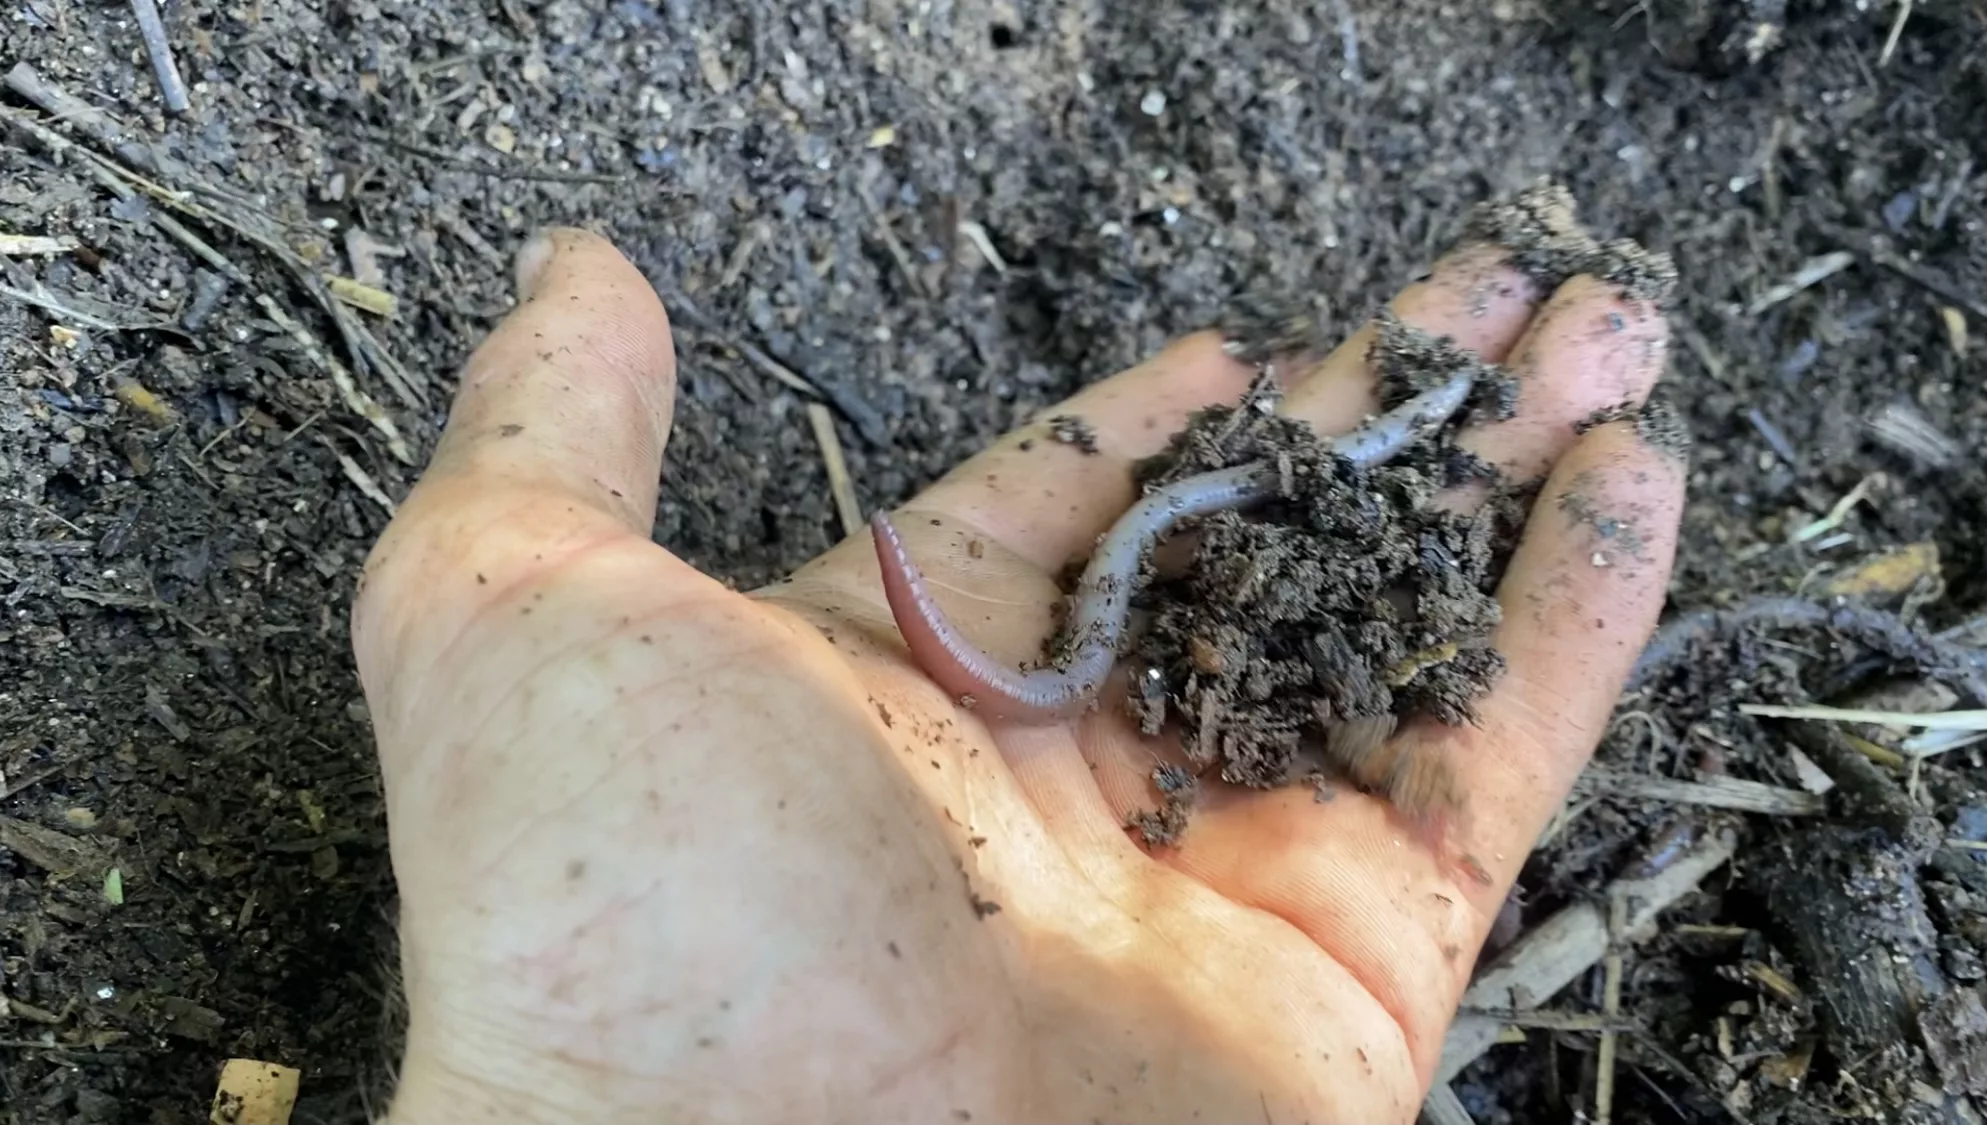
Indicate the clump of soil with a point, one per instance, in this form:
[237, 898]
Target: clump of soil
[1323, 620]
[1325, 616]
[1541, 232]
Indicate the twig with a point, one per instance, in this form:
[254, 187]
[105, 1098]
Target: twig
[125, 184]
[109, 177]
[1877, 249]
[1611, 1009]
[1555, 952]
[1956, 184]
[50, 548]
[41, 298]
[412, 394]
[1552, 1019]
[1896, 32]
[860, 414]
[359, 477]
[1839, 512]
[1927, 720]
[766, 364]
[61, 105]
[360, 403]
[1813, 272]
[158, 48]
[891, 243]
[977, 235]
[1931, 744]
[15, 788]
[1715, 792]
[1872, 628]
[846, 504]
[130, 182]
[35, 245]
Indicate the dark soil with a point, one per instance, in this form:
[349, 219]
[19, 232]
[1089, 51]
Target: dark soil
[1325, 616]
[186, 495]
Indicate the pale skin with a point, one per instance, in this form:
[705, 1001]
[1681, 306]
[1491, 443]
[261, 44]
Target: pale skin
[669, 851]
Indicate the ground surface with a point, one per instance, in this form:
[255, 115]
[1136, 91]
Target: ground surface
[811, 180]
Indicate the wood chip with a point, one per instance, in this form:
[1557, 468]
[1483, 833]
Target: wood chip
[252, 1092]
[34, 245]
[363, 297]
[1709, 792]
[1955, 328]
[357, 474]
[56, 853]
[1813, 272]
[1889, 574]
[1773, 981]
[135, 395]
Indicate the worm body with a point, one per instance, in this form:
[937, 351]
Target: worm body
[1103, 603]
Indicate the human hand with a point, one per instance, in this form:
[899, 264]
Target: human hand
[667, 851]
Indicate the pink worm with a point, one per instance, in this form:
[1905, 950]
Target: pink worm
[1103, 606]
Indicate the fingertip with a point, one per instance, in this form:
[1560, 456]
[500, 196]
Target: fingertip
[532, 258]
[576, 387]
[1473, 296]
[1582, 595]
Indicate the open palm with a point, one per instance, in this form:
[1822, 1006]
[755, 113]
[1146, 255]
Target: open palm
[669, 851]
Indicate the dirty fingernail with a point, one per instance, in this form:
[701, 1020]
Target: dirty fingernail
[532, 258]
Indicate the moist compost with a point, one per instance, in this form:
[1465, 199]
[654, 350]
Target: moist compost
[1327, 615]
[939, 220]
[1315, 625]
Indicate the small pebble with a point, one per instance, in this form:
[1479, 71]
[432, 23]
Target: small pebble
[1153, 104]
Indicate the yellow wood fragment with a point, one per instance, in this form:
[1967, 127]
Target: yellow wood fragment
[34, 245]
[1773, 981]
[135, 395]
[1881, 755]
[252, 1092]
[1893, 572]
[364, 297]
[1405, 672]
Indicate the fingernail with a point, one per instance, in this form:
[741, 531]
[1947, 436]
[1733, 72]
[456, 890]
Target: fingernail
[532, 258]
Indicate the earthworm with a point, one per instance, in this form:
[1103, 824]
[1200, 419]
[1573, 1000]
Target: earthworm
[1103, 607]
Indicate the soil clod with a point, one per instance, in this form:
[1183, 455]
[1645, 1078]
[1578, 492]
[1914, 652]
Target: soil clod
[1308, 628]
[1072, 430]
[1543, 235]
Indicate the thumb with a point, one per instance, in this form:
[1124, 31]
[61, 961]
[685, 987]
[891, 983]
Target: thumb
[553, 448]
